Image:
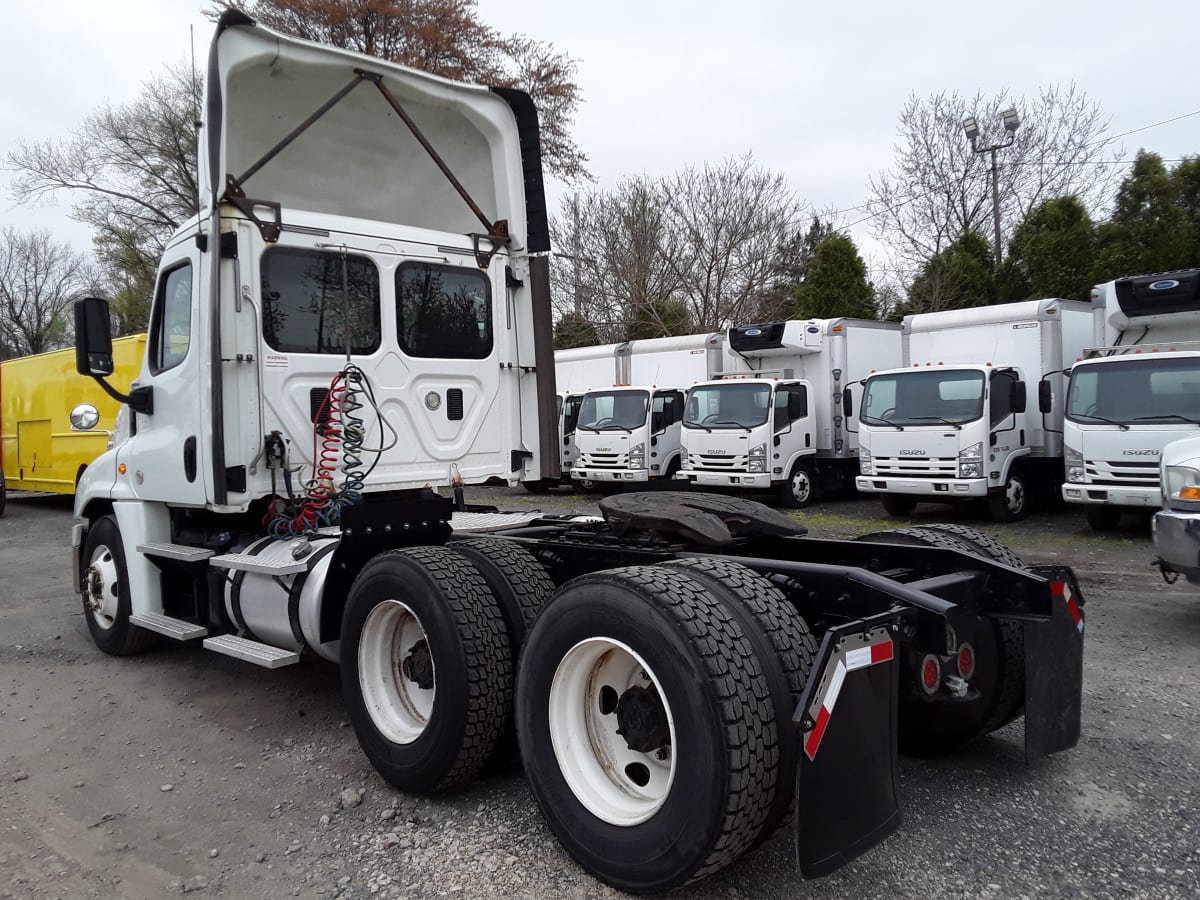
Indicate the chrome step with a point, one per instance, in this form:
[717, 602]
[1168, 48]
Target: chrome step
[172, 628]
[478, 522]
[252, 651]
[181, 552]
[244, 562]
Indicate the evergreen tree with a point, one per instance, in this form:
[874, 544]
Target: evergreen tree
[1052, 254]
[836, 283]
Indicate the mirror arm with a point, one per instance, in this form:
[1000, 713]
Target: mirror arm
[140, 399]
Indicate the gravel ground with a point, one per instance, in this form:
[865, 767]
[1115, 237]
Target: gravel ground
[185, 771]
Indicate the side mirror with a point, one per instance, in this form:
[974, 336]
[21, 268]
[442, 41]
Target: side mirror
[847, 403]
[1045, 397]
[93, 337]
[1016, 397]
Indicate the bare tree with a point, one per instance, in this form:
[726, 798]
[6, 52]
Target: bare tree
[612, 263]
[132, 169]
[39, 279]
[731, 221]
[939, 189]
[448, 38]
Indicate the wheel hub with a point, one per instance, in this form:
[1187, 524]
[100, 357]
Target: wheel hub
[418, 666]
[642, 721]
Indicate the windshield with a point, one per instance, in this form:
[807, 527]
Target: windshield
[613, 410]
[1136, 390]
[730, 405]
[923, 397]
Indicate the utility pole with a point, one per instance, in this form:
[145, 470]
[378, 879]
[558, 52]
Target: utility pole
[575, 248]
[1012, 122]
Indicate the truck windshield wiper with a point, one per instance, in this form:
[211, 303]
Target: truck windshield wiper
[956, 425]
[1120, 425]
[871, 420]
[735, 424]
[1175, 416]
[616, 428]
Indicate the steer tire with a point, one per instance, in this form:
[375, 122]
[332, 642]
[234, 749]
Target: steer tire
[934, 728]
[1011, 502]
[1103, 518]
[468, 645]
[3, 493]
[784, 645]
[114, 634]
[521, 587]
[711, 686]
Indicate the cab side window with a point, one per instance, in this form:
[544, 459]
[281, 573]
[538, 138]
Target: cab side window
[171, 325]
[1001, 400]
[791, 405]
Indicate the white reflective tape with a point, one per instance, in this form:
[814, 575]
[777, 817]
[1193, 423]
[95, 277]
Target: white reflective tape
[835, 686]
[857, 659]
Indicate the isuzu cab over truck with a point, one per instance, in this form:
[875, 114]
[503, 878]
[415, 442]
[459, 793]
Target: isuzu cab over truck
[954, 425]
[628, 432]
[774, 421]
[359, 316]
[1135, 392]
[52, 422]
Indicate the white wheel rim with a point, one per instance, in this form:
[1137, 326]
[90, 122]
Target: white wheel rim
[103, 584]
[392, 643]
[619, 785]
[801, 486]
[1015, 495]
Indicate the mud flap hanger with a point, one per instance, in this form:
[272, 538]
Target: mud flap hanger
[847, 800]
[496, 233]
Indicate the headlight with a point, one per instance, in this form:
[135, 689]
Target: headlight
[1181, 483]
[758, 459]
[685, 461]
[970, 461]
[637, 456]
[1074, 461]
[864, 460]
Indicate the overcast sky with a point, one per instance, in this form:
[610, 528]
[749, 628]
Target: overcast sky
[814, 90]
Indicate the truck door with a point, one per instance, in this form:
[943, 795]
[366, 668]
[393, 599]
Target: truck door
[167, 456]
[792, 421]
[1002, 417]
[665, 430]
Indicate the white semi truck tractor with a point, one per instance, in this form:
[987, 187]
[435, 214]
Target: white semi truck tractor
[1136, 391]
[774, 421]
[954, 423]
[358, 321]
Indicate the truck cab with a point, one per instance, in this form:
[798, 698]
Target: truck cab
[1177, 526]
[628, 434]
[943, 433]
[1135, 392]
[750, 433]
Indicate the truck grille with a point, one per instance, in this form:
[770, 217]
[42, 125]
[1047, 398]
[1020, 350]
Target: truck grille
[604, 460]
[705, 461]
[1121, 473]
[915, 467]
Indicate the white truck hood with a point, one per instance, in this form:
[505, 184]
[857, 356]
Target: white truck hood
[356, 157]
[913, 442]
[1185, 451]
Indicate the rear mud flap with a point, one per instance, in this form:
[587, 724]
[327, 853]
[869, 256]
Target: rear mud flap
[846, 795]
[1054, 668]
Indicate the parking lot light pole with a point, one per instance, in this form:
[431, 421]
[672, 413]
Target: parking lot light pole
[1012, 121]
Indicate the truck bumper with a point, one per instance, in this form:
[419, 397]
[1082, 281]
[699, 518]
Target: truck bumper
[758, 481]
[620, 475]
[1137, 497]
[937, 488]
[1177, 540]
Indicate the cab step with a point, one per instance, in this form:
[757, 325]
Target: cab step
[181, 552]
[252, 651]
[172, 628]
[244, 562]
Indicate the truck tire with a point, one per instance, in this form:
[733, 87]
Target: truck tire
[898, 505]
[106, 601]
[1103, 518]
[934, 728]
[984, 544]
[521, 586]
[422, 623]
[622, 669]
[1011, 502]
[801, 488]
[536, 487]
[785, 647]
[3, 493]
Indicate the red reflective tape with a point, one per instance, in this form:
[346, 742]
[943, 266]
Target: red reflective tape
[1076, 613]
[881, 652]
[1058, 588]
[814, 737]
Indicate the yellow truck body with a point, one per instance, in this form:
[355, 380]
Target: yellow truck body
[39, 448]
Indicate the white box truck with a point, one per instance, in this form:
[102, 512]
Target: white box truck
[628, 430]
[775, 422]
[1138, 391]
[953, 424]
